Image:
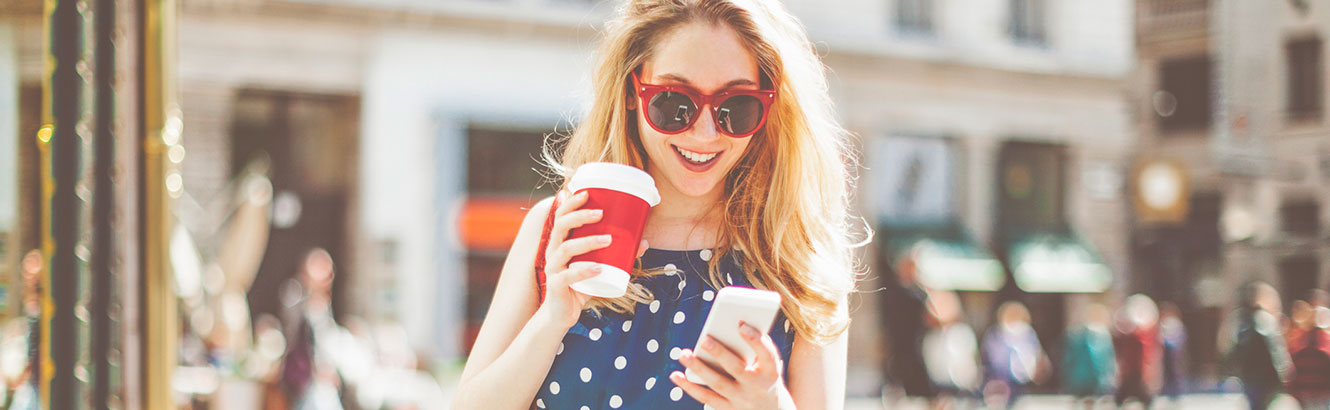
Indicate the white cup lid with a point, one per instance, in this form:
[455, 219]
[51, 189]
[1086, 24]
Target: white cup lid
[618, 177]
[612, 282]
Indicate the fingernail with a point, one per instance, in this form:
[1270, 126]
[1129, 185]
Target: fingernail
[748, 330]
[596, 268]
[597, 212]
[605, 239]
[708, 345]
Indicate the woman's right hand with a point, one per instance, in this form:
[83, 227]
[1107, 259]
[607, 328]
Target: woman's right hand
[563, 305]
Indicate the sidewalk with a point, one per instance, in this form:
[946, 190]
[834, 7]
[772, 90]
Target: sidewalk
[1195, 401]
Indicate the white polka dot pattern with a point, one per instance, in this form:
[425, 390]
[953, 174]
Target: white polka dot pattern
[592, 369]
[705, 254]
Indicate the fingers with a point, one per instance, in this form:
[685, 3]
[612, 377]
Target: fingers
[577, 246]
[700, 393]
[764, 349]
[574, 275]
[715, 379]
[567, 206]
[728, 360]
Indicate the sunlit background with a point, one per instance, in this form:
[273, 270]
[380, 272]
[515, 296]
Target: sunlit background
[1060, 153]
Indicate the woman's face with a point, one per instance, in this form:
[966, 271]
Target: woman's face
[710, 58]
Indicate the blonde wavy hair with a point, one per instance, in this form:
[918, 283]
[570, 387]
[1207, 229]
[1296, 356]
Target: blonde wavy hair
[785, 209]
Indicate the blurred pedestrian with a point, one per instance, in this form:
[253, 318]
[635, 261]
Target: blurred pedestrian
[909, 317]
[1088, 367]
[1173, 335]
[1254, 347]
[1310, 353]
[951, 352]
[1136, 341]
[308, 376]
[1013, 357]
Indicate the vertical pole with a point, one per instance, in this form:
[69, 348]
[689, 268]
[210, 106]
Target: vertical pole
[65, 196]
[103, 202]
[162, 183]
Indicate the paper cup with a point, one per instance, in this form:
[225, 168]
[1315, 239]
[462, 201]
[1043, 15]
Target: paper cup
[625, 194]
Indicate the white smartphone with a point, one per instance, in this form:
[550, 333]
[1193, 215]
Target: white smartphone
[733, 304]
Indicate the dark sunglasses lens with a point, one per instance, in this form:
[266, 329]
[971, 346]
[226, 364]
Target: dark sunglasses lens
[739, 114]
[670, 111]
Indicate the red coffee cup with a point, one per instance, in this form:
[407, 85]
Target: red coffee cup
[625, 195]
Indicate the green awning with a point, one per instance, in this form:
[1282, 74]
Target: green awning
[948, 257]
[1057, 262]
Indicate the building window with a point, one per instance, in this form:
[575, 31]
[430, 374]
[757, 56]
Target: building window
[1304, 79]
[1032, 181]
[915, 180]
[1183, 99]
[1027, 22]
[1301, 218]
[914, 16]
[503, 180]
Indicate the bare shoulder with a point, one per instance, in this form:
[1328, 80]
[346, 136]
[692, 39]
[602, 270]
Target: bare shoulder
[533, 224]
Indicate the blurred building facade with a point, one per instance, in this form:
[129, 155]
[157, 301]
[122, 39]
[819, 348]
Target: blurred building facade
[402, 135]
[1233, 167]
[997, 133]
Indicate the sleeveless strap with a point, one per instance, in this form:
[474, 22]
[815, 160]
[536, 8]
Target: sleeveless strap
[540, 251]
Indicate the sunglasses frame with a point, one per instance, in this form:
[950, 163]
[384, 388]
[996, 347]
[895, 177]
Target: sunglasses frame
[646, 91]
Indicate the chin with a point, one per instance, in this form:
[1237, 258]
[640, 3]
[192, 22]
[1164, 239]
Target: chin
[696, 186]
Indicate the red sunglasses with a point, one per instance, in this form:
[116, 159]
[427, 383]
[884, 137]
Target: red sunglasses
[672, 109]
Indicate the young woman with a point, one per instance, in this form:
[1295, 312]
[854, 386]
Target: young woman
[725, 104]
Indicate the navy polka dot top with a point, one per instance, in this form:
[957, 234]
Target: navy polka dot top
[623, 361]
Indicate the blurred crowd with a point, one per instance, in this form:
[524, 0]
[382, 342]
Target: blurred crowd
[1135, 353]
[303, 360]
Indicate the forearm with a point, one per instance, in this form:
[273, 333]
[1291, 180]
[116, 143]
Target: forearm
[513, 379]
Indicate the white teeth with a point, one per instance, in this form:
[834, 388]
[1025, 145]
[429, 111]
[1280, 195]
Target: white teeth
[696, 157]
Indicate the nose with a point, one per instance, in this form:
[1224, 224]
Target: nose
[705, 127]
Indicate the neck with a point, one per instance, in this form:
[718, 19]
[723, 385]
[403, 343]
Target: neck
[684, 222]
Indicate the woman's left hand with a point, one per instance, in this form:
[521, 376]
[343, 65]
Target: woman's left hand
[734, 383]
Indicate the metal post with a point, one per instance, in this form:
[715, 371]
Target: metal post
[65, 196]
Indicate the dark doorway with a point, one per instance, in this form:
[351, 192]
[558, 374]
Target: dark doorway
[1298, 276]
[310, 142]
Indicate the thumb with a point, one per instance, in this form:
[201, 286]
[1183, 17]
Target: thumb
[641, 248]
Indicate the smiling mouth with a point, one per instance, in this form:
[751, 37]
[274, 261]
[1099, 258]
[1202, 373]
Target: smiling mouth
[696, 157]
